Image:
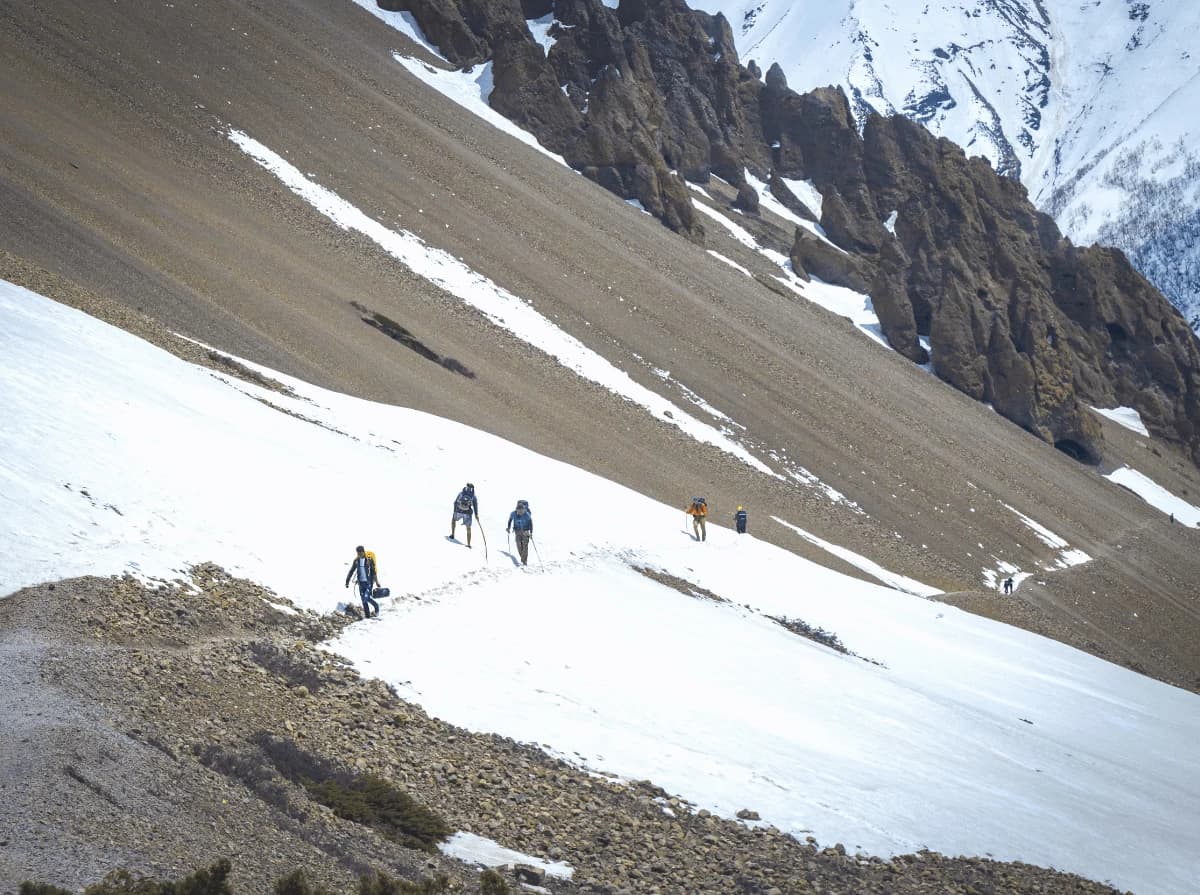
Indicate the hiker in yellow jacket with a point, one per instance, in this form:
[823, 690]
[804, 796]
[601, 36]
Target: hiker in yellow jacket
[698, 510]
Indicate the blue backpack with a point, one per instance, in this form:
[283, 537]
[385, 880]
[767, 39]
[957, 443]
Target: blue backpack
[463, 502]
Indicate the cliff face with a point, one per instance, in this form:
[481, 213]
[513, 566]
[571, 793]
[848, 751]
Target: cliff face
[1016, 315]
[644, 96]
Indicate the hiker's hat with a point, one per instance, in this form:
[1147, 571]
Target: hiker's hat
[360, 549]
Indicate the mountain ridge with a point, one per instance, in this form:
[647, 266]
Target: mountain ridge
[1029, 66]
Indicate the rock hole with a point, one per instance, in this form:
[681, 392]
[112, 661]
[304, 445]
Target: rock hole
[1077, 451]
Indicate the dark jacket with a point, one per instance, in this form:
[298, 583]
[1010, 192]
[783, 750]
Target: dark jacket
[370, 569]
[739, 519]
[520, 521]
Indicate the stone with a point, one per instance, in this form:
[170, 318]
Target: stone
[529, 874]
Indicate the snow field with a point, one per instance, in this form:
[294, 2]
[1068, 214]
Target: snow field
[944, 729]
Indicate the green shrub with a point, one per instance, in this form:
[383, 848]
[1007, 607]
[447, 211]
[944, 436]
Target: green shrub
[212, 880]
[382, 884]
[28, 888]
[373, 802]
[492, 883]
[296, 883]
[362, 798]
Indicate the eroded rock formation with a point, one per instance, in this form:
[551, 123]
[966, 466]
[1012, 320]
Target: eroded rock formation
[641, 97]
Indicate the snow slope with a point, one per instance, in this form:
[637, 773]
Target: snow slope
[937, 729]
[1094, 106]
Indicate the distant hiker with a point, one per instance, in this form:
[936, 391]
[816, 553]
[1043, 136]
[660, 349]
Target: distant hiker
[698, 510]
[520, 521]
[1008, 585]
[1172, 518]
[362, 569]
[739, 520]
[466, 508]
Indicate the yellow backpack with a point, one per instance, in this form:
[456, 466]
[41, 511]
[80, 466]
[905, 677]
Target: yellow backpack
[370, 554]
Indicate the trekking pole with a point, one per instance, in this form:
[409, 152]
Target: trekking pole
[535, 550]
[484, 533]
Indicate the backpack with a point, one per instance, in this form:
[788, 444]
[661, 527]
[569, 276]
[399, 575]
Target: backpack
[699, 504]
[523, 505]
[462, 503]
[370, 554]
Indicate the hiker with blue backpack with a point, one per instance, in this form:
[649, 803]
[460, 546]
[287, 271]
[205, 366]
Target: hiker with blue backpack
[520, 521]
[466, 509]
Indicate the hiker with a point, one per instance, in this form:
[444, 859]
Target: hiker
[466, 508]
[1008, 585]
[739, 520]
[698, 510]
[362, 568]
[520, 520]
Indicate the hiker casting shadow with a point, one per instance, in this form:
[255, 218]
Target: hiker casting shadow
[466, 509]
[362, 568]
[520, 523]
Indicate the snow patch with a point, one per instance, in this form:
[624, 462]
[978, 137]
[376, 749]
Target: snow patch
[891, 579]
[471, 91]
[404, 22]
[807, 192]
[540, 29]
[483, 852]
[1125, 416]
[730, 262]
[1067, 556]
[1156, 495]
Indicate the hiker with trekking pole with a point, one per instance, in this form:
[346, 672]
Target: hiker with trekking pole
[698, 510]
[466, 510]
[520, 521]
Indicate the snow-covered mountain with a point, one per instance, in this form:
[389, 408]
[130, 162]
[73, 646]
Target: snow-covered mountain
[935, 728]
[1094, 106]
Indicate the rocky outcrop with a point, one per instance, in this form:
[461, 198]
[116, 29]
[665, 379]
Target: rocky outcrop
[641, 97]
[1016, 315]
[637, 98]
